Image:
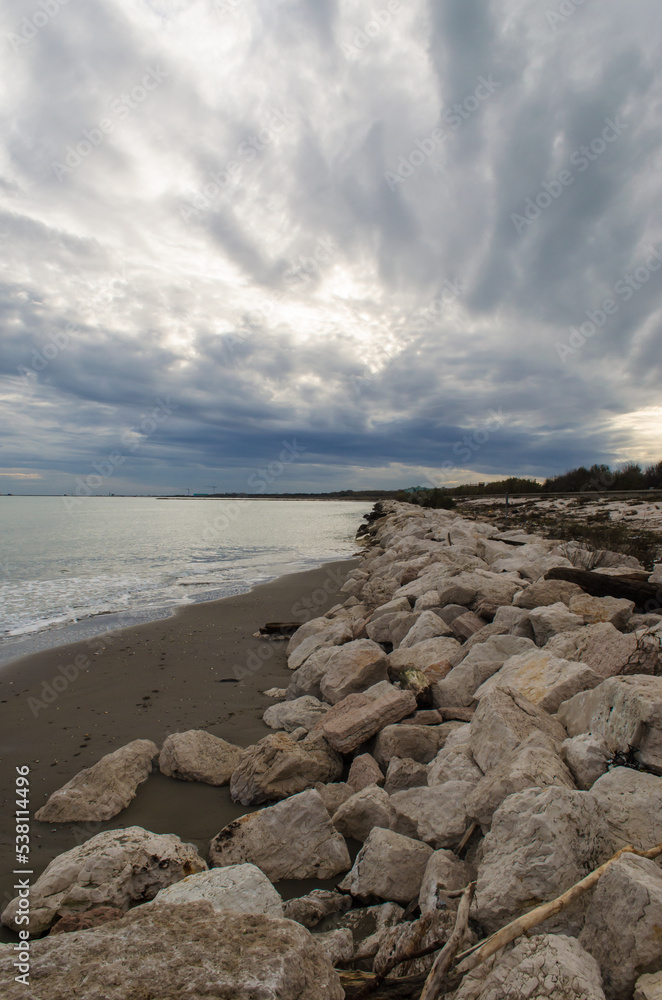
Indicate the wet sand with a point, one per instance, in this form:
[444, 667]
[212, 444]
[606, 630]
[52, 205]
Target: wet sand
[64, 708]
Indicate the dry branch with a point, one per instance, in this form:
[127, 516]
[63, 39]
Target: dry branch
[445, 958]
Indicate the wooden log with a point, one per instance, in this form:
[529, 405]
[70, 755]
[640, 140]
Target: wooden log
[435, 981]
[646, 596]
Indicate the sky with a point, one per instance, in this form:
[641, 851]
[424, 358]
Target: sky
[279, 245]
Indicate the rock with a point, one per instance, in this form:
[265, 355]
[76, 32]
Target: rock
[391, 607]
[336, 633]
[239, 888]
[401, 626]
[410, 937]
[275, 693]
[454, 763]
[546, 592]
[423, 654]
[552, 619]
[98, 793]
[483, 660]
[302, 712]
[541, 678]
[454, 593]
[364, 771]
[114, 868]
[388, 867]
[310, 628]
[307, 680]
[515, 620]
[420, 743]
[625, 711]
[338, 945]
[428, 626]
[359, 716]
[649, 987]
[533, 764]
[656, 575]
[369, 926]
[353, 667]
[95, 917]
[503, 721]
[601, 647]
[380, 629]
[614, 610]
[450, 612]
[293, 839]
[279, 766]
[185, 950]
[623, 921]
[362, 812]
[334, 794]
[543, 966]
[464, 626]
[404, 773]
[198, 756]
[586, 757]
[631, 801]
[436, 815]
[444, 872]
[541, 842]
[310, 910]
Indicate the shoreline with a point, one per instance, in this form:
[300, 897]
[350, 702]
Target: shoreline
[63, 708]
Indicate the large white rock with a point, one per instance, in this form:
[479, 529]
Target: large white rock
[541, 842]
[335, 634]
[586, 757]
[443, 872]
[301, 713]
[552, 619]
[541, 678]
[504, 720]
[310, 628]
[483, 660]
[114, 868]
[545, 593]
[176, 951]
[366, 809]
[100, 792]
[388, 867]
[614, 610]
[279, 766]
[625, 711]
[293, 839]
[601, 647]
[435, 815]
[541, 967]
[199, 756]
[359, 716]
[632, 804]
[353, 667]
[623, 924]
[237, 888]
[423, 654]
[649, 986]
[419, 743]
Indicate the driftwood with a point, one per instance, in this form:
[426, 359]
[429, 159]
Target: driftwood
[445, 958]
[645, 595]
[407, 949]
[390, 989]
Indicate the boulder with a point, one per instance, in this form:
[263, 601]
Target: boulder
[338, 945]
[649, 986]
[615, 610]
[450, 612]
[404, 773]
[236, 888]
[444, 872]
[336, 633]
[423, 654]
[623, 921]
[98, 793]
[388, 867]
[541, 842]
[359, 716]
[545, 592]
[364, 771]
[279, 766]
[379, 630]
[199, 756]
[334, 794]
[310, 628]
[362, 812]
[464, 626]
[95, 917]
[186, 950]
[456, 593]
[601, 647]
[625, 711]
[586, 757]
[293, 839]
[427, 626]
[307, 680]
[541, 678]
[114, 868]
[533, 764]
[543, 966]
[461, 683]
[503, 721]
[419, 743]
[302, 712]
[391, 607]
[311, 909]
[631, 801]
[401, 626]
[353, 667]
[437, 815]
[454, 763]
[552, 619]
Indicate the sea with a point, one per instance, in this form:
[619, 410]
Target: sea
[72, 570]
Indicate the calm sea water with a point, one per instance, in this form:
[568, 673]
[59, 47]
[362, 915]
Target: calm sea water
[135, 558]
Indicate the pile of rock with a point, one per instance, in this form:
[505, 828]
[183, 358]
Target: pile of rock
[490, 725]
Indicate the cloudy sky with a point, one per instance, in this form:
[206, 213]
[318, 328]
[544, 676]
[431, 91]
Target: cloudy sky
[327, 244]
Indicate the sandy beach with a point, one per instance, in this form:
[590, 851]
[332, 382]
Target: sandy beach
[64, 708]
